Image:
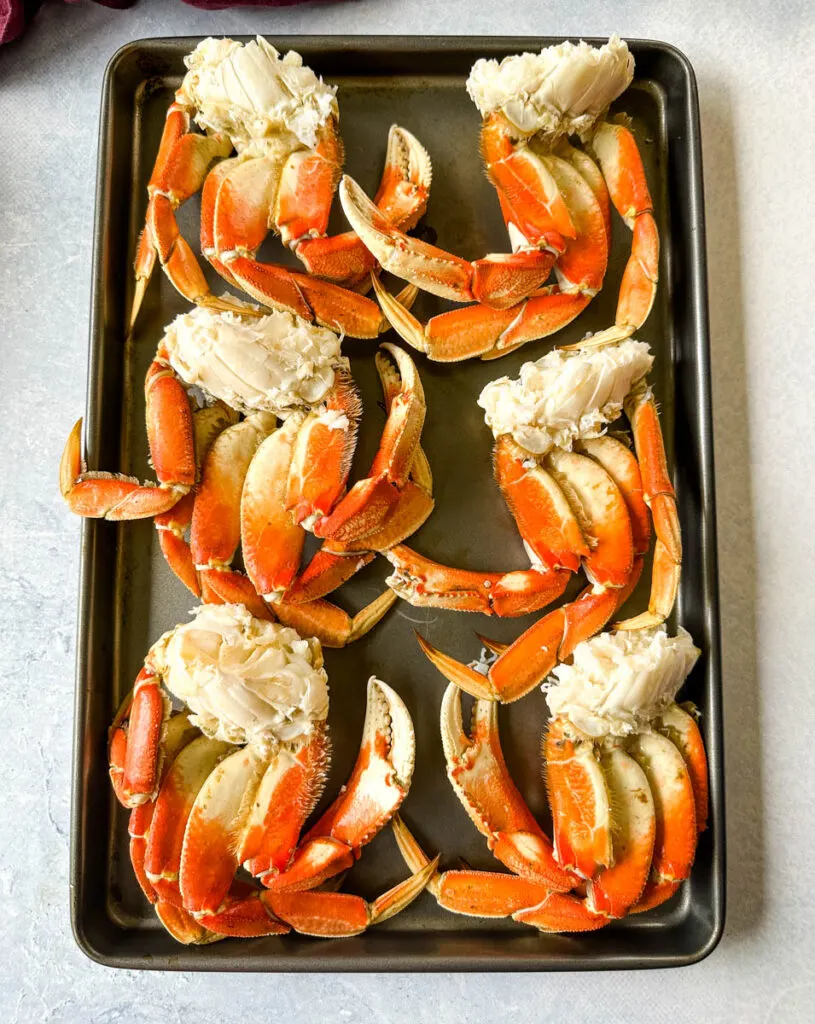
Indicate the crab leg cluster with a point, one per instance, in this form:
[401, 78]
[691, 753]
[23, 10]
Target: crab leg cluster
[283, 122]
[261, 483]
[579, 498]
[211, 792]
[627, 785]
[555, 199]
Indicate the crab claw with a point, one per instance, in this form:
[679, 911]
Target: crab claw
[502, 280]
[386, 506]
[401, 198]
[481, 780]
[378, 784]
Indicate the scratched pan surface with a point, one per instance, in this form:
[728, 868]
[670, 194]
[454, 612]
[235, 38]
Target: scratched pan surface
[128, 597]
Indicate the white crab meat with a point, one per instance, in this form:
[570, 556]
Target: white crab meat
[561, 90]
[250, 93]
[565, 396]
[245, 680]
[619, 682]
[273, 363]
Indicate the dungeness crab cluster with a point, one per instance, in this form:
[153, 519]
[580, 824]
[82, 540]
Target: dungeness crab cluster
[221, 749]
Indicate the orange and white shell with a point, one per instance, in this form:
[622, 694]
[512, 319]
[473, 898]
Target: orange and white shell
[562, 90]
[272, 363]
[618, 683]
[255, 96]
[245, 680]
[565, 396]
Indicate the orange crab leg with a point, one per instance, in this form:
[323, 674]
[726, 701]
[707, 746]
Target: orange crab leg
[179, 172]
[660, 497]
[541, 510]
[480, 777]
[272, 541]
[527, 662]
[490, 894]
[681, 729]
[338, 915]
[621, 164]
[501, 280]
[172, 452]
[617, 888]
[135, 747]
[603, 516]
[674, 805]
[578, 798]
[371, 501]
[424, 583]
[525, 186]
[171, 811]
[171, 526]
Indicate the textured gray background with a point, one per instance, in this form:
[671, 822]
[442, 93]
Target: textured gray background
[756, 77]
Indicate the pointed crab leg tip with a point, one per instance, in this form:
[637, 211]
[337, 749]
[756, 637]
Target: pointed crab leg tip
[496, 646]
[647, 620]
[401, 896]
[413, 855]
[398, 316]
[464, 677]
[70, 465]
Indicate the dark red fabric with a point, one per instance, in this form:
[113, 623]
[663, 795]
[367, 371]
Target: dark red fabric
[219, 5]
[12, 19]
[15, 14]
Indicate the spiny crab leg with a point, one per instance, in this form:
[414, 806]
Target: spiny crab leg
[171, 526]
[428, 584]
[481, 780]
[386, 506]
[183, 159]
[171, 438]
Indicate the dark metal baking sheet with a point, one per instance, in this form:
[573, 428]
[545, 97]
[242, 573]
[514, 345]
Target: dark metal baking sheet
[128, 597]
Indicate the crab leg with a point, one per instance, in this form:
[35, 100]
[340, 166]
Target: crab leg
[501, 280]
[681, 729]
[172, 453]
[179, 172]
[621, 164]
[322, 454]
[401, 198]
[527, 189]
[340, 915]
[529, 660]
[660, 497]
[178, 734]
[171, 526]
[675, 809]
[427, 584]
[490, 894]
[136, 755]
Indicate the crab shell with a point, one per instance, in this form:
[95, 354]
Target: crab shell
[562, 90]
